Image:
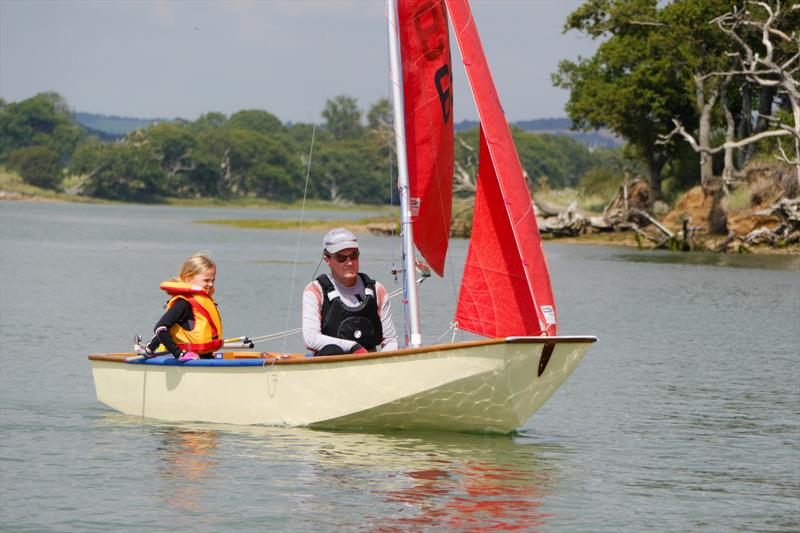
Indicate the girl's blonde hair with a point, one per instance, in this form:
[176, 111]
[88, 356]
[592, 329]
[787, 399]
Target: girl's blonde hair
[195, 264]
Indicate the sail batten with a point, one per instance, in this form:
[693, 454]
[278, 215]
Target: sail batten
[505, 288]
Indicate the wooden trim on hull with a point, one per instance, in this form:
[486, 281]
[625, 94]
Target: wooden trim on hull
[294, 359]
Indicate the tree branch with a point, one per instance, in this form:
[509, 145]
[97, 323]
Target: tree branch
[680, 130]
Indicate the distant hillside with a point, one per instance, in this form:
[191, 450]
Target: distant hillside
[102, 135]
[592, 139]
[114, 125]
[557, 126]
[465, 125]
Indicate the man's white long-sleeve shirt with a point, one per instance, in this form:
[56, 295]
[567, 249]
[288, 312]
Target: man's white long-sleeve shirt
[313, 337]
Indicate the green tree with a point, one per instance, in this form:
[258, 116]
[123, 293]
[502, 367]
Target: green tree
[379, 116]
[631, 85]
[699, 47]
[268, 169]
[562, 159]
[351, 171]
[210, 120]
[205, 179]
[751, 51]
[173, 144]
[44, 119]
[299, 135]
[380, 123]
[343, 118]
[38, 165]
[255, 120]
[120, 171]
[243, 162]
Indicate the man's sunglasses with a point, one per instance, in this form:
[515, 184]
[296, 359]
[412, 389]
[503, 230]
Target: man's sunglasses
[341, 258]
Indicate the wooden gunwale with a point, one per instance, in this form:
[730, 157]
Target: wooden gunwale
[121, 357]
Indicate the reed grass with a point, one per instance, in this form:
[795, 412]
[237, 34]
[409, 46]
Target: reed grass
[739, 198]
[592, 203]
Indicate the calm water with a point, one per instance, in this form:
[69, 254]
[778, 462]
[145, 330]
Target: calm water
[685, 416]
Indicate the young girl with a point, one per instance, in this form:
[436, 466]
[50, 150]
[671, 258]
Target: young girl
[191, 328]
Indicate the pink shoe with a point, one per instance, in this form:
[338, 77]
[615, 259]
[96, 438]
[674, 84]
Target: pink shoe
[188, 356]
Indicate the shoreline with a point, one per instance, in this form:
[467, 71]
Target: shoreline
[238, 203]
[628, 240]
[621, 240]
[16, 196]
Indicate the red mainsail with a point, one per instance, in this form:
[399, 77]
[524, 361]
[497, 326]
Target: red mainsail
[428, 101]
[505, 290]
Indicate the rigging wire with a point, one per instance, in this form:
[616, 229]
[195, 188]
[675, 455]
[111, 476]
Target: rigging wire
[299, 232]
[453, 327]
[454, 290]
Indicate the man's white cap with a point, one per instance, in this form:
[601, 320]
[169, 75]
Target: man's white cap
[339, 239]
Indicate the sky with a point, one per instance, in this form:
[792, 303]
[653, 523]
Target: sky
[184, 58]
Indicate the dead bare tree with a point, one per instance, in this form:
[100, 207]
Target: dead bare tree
[705, 100]
[770, 70]
[183, 163]
[465, 177]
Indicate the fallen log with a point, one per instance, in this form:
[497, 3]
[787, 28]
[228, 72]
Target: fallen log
[568, 222]
[642, 214]
[787, 232]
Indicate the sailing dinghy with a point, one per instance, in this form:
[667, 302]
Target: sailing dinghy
[491, 385]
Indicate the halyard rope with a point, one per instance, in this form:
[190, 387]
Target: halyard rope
[299, 230]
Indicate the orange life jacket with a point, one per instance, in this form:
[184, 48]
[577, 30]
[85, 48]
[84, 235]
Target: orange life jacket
[206, 336]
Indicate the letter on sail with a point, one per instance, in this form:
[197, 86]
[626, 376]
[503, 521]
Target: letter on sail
[428, 100]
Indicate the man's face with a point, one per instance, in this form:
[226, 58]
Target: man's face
[344, 266]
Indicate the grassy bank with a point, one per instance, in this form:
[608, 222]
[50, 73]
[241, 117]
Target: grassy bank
[355, 225]
[586, 203]
[312, 205]
[12, 187]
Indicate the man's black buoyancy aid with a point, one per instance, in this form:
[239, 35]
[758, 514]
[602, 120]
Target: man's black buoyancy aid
[361, 324]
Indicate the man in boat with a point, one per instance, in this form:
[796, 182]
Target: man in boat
[346, 311]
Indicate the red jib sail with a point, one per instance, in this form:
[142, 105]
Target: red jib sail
[428, 101]
[505, 290]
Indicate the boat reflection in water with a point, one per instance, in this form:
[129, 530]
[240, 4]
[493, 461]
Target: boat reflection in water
[425, 480]
[471, 496]
[188, 459]
[329, 480]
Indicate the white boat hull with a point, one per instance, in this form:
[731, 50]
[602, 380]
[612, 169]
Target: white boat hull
[490, 386]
